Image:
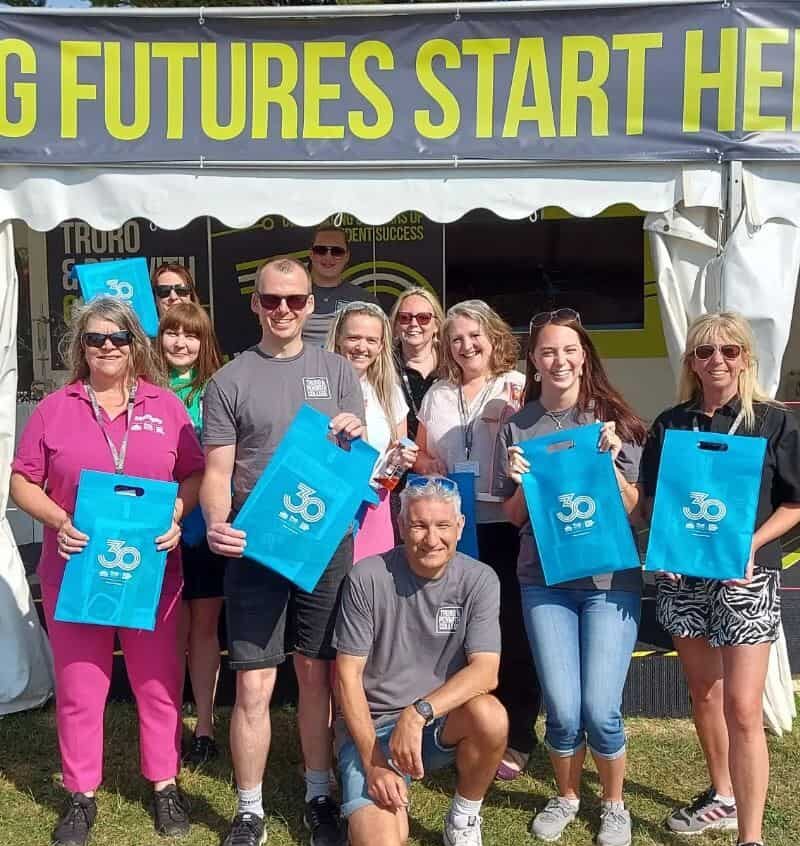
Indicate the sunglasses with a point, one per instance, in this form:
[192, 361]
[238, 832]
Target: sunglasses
[98, 339]
[163, 291]
[295, 302]
[545, 317]
[324, 250]
[703, 352]
[424, 481]
[423, 318]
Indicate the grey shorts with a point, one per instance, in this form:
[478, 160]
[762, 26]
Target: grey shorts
[734, 615]
[268, 617]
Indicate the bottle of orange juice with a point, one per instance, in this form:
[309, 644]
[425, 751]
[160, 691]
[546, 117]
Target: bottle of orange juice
[391, 469]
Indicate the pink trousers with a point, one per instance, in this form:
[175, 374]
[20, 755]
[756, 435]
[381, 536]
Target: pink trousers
[376, 534]
[83, 655]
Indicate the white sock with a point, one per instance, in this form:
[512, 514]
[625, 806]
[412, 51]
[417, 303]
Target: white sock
[726, 800]
[318, 783]
[250, 801]
[573, 803]
[462, 809]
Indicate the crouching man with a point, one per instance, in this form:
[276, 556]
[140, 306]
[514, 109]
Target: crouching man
[418, 650]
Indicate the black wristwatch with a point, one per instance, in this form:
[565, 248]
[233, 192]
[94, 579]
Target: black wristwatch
[425, 710]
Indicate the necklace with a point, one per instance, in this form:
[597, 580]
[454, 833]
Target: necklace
[558, 417]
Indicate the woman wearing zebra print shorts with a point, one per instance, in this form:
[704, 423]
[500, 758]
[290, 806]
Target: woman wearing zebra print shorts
[723, 630]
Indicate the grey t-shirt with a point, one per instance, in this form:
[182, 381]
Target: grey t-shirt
[252, 400]
[327, 301]
[416, 633]
[530, 422]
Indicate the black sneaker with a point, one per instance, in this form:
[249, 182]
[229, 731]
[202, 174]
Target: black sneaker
[322, 819]
[171, 812]
[203, 749]
[77, 819]
[246, 830]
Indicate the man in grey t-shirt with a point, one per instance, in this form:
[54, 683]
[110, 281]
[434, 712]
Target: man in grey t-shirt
[330, 252]
[247, 408]
[418, 649]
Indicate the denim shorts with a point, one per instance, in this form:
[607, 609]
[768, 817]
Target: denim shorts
[435, 756]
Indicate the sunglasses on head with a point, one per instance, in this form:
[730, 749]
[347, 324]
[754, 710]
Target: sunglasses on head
[423, 318]
[295, 302]
[122, 338]
[424, 481]
[324, 249]
[163, 291]
[545, 317]
[730, 351]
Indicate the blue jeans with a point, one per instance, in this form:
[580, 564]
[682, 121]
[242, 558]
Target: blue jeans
[582, 641]
[435, 756]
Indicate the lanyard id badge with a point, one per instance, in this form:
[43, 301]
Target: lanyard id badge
[117, 456]
[467, 421]
[734, 426]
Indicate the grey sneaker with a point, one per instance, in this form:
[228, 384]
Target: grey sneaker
[550, 822]
[615, 825]
[469, 836]
[704, 813]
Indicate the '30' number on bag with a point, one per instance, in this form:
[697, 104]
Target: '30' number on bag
[125, 557]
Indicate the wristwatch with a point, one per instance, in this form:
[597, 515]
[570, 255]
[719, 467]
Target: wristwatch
[425, 710]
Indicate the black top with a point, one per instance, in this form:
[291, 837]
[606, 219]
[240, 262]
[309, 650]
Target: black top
[780, 478]
[414, 386]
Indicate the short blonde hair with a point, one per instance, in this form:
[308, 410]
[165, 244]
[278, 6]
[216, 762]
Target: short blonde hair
[723, 327]
[505, 347]
[142, 363]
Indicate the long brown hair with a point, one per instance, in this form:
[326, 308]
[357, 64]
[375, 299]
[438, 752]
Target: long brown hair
[178, 270]
[596, 393]
[193, 319]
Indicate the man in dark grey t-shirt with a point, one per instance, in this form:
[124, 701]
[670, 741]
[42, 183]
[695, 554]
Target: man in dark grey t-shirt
[418, 649]
[247, 408]
[330, 252]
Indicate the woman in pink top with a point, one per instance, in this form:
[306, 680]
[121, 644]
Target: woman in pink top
[110, 416]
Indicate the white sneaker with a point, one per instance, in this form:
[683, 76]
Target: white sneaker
[549, 823]
[615, 825]
[469, 836]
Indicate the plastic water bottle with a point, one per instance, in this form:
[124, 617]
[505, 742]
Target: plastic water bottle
[391, 468]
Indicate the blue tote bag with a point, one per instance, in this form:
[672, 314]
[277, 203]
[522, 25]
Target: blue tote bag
[579, 522]
[116, 580]
[126, 279]
[704, 512]
[468, 544]
[306, 499]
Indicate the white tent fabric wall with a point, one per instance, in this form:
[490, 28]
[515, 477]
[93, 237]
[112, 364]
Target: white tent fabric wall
[26, 678]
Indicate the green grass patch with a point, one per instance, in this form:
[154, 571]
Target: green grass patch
[665, 768]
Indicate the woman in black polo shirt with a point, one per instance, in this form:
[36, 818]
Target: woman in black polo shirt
[723, 630]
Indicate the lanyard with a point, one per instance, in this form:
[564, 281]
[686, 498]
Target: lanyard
[117, 457]
[467, 422]
[734, 426]
[409, 395]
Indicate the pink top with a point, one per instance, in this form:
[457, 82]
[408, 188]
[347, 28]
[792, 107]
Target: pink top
[62, 438]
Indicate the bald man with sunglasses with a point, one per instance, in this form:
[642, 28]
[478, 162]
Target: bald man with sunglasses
[328, 258]
[247, 408]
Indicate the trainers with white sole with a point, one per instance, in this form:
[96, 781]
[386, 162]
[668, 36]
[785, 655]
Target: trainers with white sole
[550, 822]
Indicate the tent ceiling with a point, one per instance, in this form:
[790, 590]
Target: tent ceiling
[44, 196]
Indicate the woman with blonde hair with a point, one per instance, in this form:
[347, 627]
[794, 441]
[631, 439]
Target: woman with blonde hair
[723, 630]
[416, 320]
[114, 417]
[362, 334]
[189, 353]
[459, 421]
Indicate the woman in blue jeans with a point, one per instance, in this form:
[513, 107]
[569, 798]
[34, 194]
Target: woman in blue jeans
[581, 632]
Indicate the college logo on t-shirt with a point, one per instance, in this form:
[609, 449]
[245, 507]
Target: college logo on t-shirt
[316, 387]
[448, 618]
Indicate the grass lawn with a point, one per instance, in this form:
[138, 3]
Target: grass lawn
[665, 768]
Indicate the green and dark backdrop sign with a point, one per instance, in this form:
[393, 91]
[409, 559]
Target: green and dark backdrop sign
[702, 82]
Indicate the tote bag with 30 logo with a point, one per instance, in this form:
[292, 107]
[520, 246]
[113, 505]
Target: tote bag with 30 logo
[116, 580]
[306, 499]
[705, 505]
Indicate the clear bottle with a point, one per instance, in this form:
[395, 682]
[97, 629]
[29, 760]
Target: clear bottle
[391, 469]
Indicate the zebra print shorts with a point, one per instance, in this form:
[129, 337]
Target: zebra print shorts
[723, 615]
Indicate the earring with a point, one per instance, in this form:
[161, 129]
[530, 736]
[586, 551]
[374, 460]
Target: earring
[537, 377]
